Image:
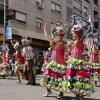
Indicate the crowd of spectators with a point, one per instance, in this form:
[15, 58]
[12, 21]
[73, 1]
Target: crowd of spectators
[37, 62]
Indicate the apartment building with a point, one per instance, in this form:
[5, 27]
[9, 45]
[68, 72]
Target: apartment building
[28, 16]
[83, 8]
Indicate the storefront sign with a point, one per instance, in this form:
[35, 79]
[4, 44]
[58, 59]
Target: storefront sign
[15, 31]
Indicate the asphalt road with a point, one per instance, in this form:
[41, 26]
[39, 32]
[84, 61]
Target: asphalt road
[10, 90]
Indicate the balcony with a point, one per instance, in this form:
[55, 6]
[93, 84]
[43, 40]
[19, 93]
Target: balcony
[13, 16]
[69, 2]
[77, 10]
[87, 1]
[96, 2]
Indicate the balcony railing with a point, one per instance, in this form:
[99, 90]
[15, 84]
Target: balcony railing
[96, 2]
[87, 1]
[75, 8]
[69, 2]
[77, 11]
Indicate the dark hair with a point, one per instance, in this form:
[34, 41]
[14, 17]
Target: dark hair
[99, 47]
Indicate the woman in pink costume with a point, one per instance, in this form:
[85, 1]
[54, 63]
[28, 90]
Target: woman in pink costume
[20, 60]
[77, 47]
[93, 51]
[5, 69]
[4, 58]
[94, 56]
[77, 72]
[54, 71]
[46, 55]
[76, 51]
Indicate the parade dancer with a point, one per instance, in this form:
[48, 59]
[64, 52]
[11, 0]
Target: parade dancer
[5, 69]
[28, 55]
[77, 73]
[54, 70]
[46, 59]
[20, 60]
[92, 41]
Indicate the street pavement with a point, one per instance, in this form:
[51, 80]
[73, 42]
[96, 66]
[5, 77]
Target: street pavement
[10, 90]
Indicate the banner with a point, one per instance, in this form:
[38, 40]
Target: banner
[8, 32]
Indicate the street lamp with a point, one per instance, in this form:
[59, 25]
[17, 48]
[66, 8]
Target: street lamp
[4, 34]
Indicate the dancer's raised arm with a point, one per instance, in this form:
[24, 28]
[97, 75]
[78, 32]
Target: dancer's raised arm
[46, 33]
[90, 21]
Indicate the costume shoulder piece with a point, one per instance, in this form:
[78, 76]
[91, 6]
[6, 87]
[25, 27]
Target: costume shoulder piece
[29, 53]
[28, 49]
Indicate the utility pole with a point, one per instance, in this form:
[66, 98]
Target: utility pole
[4, 34]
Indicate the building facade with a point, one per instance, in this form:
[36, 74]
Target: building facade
[28, 16]
[83, 8]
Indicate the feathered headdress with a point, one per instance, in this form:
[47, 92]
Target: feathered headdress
[58, 29]
[77, 29]
[77, 26]
[15, 44]
[26, 40]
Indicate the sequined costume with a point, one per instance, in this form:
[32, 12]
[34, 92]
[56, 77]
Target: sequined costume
[54, 71]
[5, 69]
[28, 56]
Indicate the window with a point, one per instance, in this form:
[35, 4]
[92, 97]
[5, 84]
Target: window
[16, 16]
[39, 23]
[1, 16]
[55, 7]
[95, 13]
[77, 8]
[21, 17]
[96, 25]
[68, 12]
[69, 2]
[41, 1]
[11, 15]
[85, 11]
[78, 4]
[96, 2]
[87, 1]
